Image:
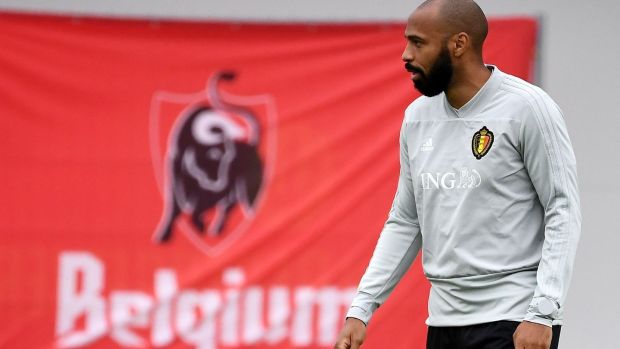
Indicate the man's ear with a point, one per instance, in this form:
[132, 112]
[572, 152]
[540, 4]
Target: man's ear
[460, 42]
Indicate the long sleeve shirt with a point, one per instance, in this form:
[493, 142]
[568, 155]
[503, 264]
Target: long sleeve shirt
[488, 193]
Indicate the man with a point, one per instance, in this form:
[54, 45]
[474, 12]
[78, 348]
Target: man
[487, 190]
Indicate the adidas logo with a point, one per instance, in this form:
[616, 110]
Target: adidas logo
[427, 146]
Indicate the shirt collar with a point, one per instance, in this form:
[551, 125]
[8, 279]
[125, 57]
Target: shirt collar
[478, 101]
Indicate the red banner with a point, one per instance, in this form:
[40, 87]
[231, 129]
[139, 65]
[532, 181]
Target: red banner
[203, 185]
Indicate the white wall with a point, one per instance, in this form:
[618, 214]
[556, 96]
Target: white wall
[579, 53]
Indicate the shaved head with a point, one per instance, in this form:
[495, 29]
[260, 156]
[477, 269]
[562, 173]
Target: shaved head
[444, 45]
[459, 16]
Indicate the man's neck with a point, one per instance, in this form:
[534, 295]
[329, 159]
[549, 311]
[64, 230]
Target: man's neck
[466, 84]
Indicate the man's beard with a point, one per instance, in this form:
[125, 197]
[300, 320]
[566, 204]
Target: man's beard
[439, 76]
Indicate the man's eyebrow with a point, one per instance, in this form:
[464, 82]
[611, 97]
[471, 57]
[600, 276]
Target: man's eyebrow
[413, 37]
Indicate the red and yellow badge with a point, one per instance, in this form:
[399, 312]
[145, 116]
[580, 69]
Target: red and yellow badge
[481, 142]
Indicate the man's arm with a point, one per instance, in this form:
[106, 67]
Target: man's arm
[397, 247]
[549, 159]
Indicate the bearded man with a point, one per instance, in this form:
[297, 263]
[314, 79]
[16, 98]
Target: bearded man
[487, 190]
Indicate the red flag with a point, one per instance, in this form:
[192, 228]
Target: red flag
[207, 185]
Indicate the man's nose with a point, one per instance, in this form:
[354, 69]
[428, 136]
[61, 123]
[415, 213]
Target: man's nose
[407, 54]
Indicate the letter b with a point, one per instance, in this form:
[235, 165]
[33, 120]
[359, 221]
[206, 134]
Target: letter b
[75, 300]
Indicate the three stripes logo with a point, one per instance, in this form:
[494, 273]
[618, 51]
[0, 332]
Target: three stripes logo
[427, 146]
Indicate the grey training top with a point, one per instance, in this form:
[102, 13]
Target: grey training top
[489, 192]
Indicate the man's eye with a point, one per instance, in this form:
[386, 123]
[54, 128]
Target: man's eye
[417, 44]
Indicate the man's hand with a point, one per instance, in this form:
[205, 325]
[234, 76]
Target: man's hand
[352, 335]
[530, 335]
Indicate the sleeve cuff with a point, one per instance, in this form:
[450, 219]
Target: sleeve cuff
[531, 317]
[543, 310]
[359, 313]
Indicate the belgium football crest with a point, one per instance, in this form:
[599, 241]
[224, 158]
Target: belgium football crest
[481, 142]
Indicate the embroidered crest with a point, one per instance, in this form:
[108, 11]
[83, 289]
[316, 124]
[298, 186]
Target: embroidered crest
[481, 142]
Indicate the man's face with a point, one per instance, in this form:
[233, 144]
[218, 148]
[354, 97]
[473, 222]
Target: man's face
[438, 77]
[426, 56]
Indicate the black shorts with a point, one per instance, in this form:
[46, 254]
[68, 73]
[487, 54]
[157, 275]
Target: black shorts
[492, 335]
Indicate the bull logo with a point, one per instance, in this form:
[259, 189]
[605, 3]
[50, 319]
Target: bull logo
[213, 171]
